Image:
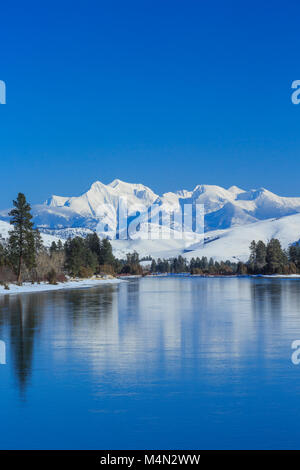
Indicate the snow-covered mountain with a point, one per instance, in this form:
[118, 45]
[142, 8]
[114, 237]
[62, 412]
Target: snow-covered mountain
[233, 217]
[224, 208]
[86, 210]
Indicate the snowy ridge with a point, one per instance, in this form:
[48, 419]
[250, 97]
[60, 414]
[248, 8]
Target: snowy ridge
[224, 208]
[233, 217]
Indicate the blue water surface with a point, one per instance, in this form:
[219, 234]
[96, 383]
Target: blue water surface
[152, 363]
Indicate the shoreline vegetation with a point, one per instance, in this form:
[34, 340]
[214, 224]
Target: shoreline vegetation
[24, 259]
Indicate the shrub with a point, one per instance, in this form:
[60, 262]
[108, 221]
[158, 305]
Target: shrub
[7, 274]
[61, 277]
[52, 277]
[196, 271]
[106, 269]
[85, 272]
[292, 268]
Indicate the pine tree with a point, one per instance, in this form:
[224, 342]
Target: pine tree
[294, 255]
[203, 264]
[261, 253]
[78, 256]
[53, 248]
[106, 255]
[252, 258]
[275, 256]
[211, 266]
[241, 268]
[2, 254]
[93, 242]
[21, 242]
[153, 266]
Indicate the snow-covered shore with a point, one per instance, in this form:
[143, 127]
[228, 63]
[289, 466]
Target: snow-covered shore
[277, 276]
[228, 276]
[44, 287]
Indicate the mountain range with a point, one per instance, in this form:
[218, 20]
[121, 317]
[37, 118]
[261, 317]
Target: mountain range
[233, 217]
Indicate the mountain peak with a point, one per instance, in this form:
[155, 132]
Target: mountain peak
[235, 190]
[96, 185]
[116, 182]
[56, 201]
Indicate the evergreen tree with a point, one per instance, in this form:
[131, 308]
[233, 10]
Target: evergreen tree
[78, 256]
[93, 243]
[2, 255]
[252, 258]
[38, 241]
[132, 264]
[153, 266]
[53, 248]
[21, 244]
[106, 255]
[294, 256]
[211, 266]
[241, 268]
[203, 264]
[261, 254]
[35, 245]
[275, 257]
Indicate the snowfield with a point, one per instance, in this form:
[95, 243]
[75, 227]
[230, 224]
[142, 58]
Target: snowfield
[230, 244]
[233, 243]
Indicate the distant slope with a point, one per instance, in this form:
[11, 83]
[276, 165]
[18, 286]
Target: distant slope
[5, 227]
[232, 243]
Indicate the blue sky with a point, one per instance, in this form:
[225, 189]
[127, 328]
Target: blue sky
[167, 93]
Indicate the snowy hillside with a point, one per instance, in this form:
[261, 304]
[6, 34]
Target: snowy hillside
[232, 243]
[6, 227]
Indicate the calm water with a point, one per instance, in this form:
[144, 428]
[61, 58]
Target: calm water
[152, 363]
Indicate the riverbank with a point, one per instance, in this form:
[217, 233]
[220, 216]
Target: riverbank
[228, 276]
[44, 286]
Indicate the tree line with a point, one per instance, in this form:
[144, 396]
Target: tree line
[200, 266]
[268, 258]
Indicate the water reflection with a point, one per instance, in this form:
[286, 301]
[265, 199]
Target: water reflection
[158, 319]
[22, 315]
[179, 341]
